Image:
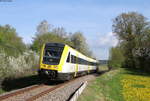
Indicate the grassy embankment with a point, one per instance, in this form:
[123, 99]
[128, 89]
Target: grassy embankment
[118, 85]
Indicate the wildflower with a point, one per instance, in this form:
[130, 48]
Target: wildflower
[136, 88]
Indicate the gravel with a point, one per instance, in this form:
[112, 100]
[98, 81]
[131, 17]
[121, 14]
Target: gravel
[28, 94]
[60, 94]
[63, 93]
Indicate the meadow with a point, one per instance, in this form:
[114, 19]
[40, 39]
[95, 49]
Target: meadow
[118, 85]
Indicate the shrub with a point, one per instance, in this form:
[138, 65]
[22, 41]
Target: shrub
[116, 57]
[17, 66]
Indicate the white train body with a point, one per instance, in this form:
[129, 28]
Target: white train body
[60, 61]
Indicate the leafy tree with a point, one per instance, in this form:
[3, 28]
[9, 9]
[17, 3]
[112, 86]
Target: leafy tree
[127, 27]
[45, 33]
[133, 31]
[59, 35]
[39, 40]
[116, 57]
[10, 42]
[79, 43]
[142, 51]
[60, 31]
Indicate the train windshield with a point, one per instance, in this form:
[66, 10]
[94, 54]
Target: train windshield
[52, 55]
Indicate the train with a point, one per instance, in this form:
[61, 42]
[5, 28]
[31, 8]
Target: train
[59, 61]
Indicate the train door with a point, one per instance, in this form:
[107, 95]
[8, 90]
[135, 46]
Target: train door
[76, 65]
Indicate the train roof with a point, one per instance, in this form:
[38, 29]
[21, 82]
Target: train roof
[82, 54]
[55, 44]
[62, 45]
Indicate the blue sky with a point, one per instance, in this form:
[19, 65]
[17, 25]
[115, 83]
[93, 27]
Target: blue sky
[92, 17]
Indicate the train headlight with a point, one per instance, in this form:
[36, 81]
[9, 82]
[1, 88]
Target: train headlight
[46, 72]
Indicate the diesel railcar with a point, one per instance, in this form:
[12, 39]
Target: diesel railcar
[62, 62]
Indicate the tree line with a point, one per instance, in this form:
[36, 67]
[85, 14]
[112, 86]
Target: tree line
[12, 44]
[133, 50]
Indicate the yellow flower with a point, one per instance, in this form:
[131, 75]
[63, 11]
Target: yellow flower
[136, 88]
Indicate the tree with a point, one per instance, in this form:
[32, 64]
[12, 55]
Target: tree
[39, 40]
[133, 31]
[128, 25]
[60, 31]
[116, 57]
[43, 27]
[10, 42]
[79, 43]
[142, 51]
[59, 34]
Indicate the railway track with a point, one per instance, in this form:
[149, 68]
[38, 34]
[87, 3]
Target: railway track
[19, 92]
[58, 92]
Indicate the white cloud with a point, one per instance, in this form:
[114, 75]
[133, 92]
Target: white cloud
[108, 40]
[100, 44]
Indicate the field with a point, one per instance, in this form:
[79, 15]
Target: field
[136, 87]
[118, 85]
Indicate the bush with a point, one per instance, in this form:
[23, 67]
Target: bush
[116, 58]
[17, 66]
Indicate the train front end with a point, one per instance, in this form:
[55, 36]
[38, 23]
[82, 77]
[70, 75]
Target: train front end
[50, 60]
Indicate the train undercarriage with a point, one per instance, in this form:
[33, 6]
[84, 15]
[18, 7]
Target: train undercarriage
[54, 75]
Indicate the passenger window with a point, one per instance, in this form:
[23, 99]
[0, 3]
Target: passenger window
[68, 58]
[71, 58]
[74, 59]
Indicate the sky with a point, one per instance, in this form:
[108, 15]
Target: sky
[92, 17]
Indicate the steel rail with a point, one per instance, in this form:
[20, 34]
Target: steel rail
[3, 97]
[50, 90]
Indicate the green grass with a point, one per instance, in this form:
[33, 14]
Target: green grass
[108, 86]
[105, 88]
[2, 91]
[138, 86]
